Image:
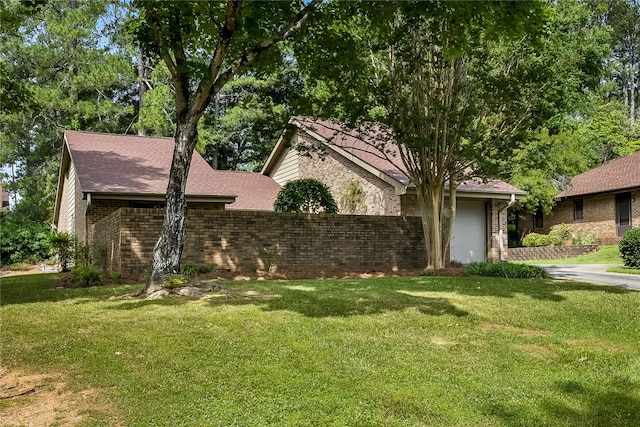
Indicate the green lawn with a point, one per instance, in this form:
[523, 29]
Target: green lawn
[421, 351]
[604, 255]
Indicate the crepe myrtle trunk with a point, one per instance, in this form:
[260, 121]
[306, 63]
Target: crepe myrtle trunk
[168, 249]
[437, 221]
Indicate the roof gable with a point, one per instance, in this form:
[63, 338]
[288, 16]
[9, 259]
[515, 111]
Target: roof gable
[366, 147]
[618, 175]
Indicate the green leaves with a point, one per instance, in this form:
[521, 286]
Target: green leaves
[305, 195]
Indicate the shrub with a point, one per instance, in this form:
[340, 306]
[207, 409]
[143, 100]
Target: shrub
[534, 240]
[559, 234]
[23, 239]
[190, 270]
[87, 275]
[20, 266]
[116, 276]
[305, 195]
[584, 239]
[504, 269]
[62, 246]
[352, 198]
[630, 248]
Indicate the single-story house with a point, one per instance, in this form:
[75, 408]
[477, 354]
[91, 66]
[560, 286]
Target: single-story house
[604, 201]
[100, 173]
[365, 182]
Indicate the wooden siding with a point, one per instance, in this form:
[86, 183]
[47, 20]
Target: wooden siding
[287, 168]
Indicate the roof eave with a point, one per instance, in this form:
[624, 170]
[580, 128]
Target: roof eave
[597, 193]
[64, 163]
[193, 198]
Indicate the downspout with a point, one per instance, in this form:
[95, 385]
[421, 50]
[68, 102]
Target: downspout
[501, 233]
[86, 228]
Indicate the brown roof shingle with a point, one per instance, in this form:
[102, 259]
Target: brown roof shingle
[366, 145]
[617, 175]
[129, 164]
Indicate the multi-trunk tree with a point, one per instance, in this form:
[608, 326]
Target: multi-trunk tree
[456, 85]
[204, 45]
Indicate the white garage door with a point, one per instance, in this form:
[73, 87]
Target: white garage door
[468, 243]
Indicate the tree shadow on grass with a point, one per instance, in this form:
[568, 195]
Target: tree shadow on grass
[615, 403]
[428, 295]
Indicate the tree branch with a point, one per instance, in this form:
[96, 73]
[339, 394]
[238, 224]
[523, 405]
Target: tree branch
[216, 80]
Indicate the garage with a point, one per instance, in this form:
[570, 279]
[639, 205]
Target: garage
[468, 243]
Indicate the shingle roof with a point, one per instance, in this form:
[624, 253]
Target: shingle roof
[617, 175]
[255, 191]
[366, 144]
[129, 164]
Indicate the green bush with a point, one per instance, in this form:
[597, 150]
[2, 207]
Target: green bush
[62, 246]
[20, 266]
[22, 240]
[86, 275]
[559, 234]
[116, 276]
[190, 270]
[305, 195]
[532, 240]
[584, 239]
[504, 269]
[630, 248]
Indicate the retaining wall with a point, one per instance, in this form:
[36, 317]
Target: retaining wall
[550, 252]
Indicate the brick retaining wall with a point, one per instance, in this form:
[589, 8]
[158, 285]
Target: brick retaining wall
[249, 241]
[550, 252]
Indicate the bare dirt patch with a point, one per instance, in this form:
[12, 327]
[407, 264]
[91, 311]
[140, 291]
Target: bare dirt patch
[35, 269]
[40, 400]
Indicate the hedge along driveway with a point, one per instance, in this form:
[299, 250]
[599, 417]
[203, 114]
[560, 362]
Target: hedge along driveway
[368, 352]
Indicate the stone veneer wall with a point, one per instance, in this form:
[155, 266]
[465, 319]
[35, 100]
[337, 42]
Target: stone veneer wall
[550, 252]
[246, 241]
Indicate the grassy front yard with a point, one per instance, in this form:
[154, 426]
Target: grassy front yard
[356, 352]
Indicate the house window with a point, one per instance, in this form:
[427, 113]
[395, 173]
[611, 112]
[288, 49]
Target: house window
[578, 213]
[537, 219]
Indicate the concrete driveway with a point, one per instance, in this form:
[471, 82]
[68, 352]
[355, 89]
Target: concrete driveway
[593, 273]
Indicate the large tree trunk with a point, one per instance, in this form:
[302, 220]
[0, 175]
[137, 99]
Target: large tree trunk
[168, 249]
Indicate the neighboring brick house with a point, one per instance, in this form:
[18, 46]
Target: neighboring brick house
[604, 201]
[101, 173]
[5, 200]
[352, 166]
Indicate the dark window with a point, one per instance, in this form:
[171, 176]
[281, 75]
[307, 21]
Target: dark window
[578, 213]
[537, 220]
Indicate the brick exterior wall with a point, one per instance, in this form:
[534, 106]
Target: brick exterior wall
[108, 243]
[335, 171]
[99, 209]
[496, 220]
[599, 218]
[550, 252]
[246, 241]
